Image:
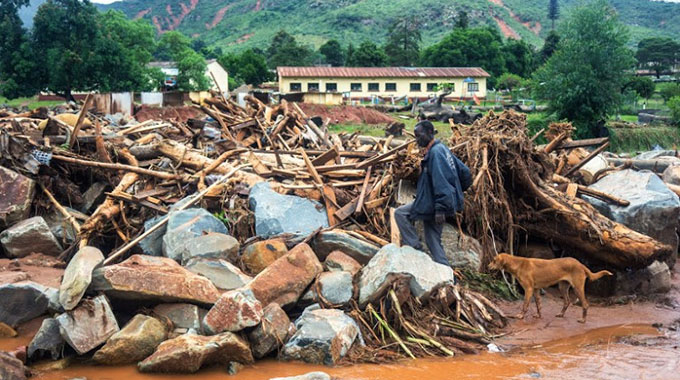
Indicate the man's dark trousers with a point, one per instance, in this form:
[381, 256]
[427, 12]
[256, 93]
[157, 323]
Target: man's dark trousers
[409, 235]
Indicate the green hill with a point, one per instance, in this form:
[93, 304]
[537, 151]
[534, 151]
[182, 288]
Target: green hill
[240, 24]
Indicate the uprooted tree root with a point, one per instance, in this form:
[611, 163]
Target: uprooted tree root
[450, 321]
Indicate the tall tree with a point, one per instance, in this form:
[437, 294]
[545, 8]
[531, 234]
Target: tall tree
[658, 54]
[550, 45]
[520, 58]
[349, 55]
[403, 42]
[18, 72]
[170, 45]
[248, 67]
[284, 50]
[462, 21]
[582, 81]
[332, 52]
[368, 54]
[553, 12]
[192, 68]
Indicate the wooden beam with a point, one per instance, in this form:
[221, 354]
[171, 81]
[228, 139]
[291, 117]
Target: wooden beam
[587, 159]
[362, 195]
[327, 156]
[373, 160]
[79, 122]
[582, 143]
[395, 235]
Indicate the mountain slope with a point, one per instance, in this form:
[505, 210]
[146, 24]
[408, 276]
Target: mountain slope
[239, 24]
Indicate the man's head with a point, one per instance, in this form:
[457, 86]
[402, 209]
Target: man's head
[424, 132]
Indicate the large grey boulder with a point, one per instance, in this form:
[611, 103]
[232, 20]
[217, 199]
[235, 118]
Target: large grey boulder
[323, 336]
[78, 275]
[134, 342]
[153, 244]
[462, 251]
[22, 302]
[657, 154]
[182, 315]
[336, 287]
[210, 246]
[88, 325]
[654, 209]
[185, 225]
[274, 331]
[672, 175]
[655, 278]
[16, 195]
[28, 236]
[223, 274]
[425, 274]
[328, 241]
[276, 214]
[47, 340]
[93, 196]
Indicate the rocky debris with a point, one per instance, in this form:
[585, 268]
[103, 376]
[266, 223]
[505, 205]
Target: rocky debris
[61, 228]
[328, 241]
[187, 224]
[277, 214]
[188, 353]
[222, 273]
[210, 246]
[335, 287]
[338, 261]
[257, 256]
[653, 209]
[52, 365]
[11, 368]
[153, 244]
[93, 196]
[317, 375]
[234, 311]
[182, 315]
[134, 342]
[47, 340]
[78, 275]
[16, 195]
[6, 331]
[22, 302]
[157, 279]
[28, 236]
[672, 175]
[274, 330]
[323, 337]
[234, 368]
[462, 251]
[426, 275]
[12, 277]
[286, 278]
[88, 325]
[53, 304]
[656, 278]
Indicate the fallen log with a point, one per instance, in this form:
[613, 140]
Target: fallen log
[657, 166]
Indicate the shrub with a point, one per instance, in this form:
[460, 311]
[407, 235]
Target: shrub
[668, 90]
[674, 106]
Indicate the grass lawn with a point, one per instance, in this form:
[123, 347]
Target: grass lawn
[377, 130]
[31, 102]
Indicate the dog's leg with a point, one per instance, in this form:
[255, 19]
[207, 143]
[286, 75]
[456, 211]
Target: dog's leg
[528, 292]
[564, 289]
[584, 302]
[537, 298]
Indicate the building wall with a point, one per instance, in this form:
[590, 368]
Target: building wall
[220, 74]
[403, 86]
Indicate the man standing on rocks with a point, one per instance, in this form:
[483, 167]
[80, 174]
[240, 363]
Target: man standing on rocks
[443, 179]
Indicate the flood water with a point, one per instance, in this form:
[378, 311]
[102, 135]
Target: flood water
[610, 353]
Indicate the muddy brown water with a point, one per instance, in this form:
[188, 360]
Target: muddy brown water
[635, 351]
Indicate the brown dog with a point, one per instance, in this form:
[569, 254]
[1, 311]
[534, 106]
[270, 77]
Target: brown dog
[536, 274]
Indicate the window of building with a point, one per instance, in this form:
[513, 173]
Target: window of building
[355, 87]
[451, 86]
[432, 87]
[390, 87]
[414, 87]
[374, 86]
[331, 87]
[473, 87]
[313, 87]
[295, 86]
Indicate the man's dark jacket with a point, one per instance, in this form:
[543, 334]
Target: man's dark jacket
[441, 184]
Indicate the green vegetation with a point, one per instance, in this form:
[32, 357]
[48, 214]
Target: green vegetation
[668, 90]
[674, 106]
[367, 54]
[657, 54]
[248, 67]
[403, 42]
[487, 284]
[333, 53]
[28, 102]
[643, 138]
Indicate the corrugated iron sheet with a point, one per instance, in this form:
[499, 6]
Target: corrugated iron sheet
[380, 72]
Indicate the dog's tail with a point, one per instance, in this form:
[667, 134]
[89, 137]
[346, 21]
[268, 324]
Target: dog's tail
[596, 276]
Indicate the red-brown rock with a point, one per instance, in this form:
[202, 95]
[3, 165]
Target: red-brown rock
[153, 278]
[260, 255]
[339, 261]
[234, 311]
[11, 368]
[16, 194]
[286, 278]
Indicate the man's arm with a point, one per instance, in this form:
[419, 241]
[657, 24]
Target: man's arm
[464, 174]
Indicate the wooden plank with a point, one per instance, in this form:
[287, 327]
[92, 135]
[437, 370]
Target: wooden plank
[587, 159]
[375, 203]
[329, 197]
[372, 161]
[79, 122]
[260, 168]
[345, 211]
[375, 239]
[603, 196]
[311, 168]
[582, 143]
[555, 142]
[572, 190]
[395, 235]
[364, 187]
[327, 156]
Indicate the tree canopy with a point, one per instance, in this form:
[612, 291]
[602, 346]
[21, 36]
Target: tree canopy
[403, 42]
[248, 67]
[332, 53]
[553, 12]
[549, 45]
[284, 50]
[520, 58]
[17, 66]
[367, 54]
[582, 80]
[658, 54]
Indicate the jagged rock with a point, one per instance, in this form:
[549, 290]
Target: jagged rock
[61, 228]
[261, 254]
[222, 273]
[134, 342]
[328, 241]
[653, 209]
[656, 278]
[188, 353]
[336, 287]
[53, 304]
[182, 315]
[11, 368]
[318, 375]
[276, 214]
[669, 155]
[151, 278]
[234, 311]
[274, 330]
[391, 260]
[187, 224]
[323, 337]
[28, 236]
[88, 325]
[210, 246]
[462, 251]
[153, 244]
[338, 261]
[672, 175]
[47, 340]
[22, 302]
[16, 195]
[93, 196]
[6, 331]
[286, 278]
[234, 368]
[78, 275]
